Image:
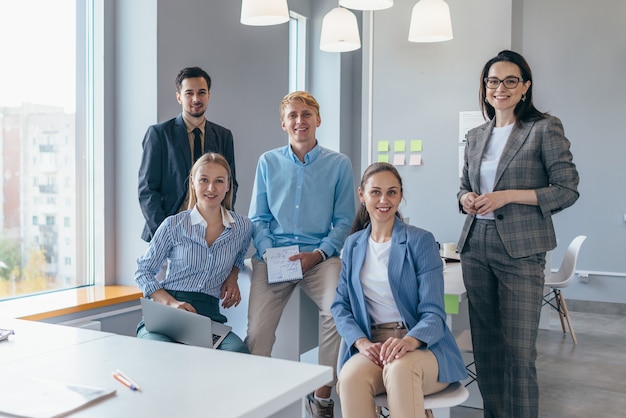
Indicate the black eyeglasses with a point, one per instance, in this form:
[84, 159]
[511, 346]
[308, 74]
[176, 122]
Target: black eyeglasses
[509, 82]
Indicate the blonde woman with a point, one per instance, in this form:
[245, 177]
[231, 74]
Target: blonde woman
[205, 247]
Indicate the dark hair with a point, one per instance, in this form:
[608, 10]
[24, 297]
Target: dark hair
[362, 217]
[208, 158]
[191, 72]
[525, 109]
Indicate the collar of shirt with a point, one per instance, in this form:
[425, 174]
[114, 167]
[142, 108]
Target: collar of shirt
[196, 218]
[309, 157]
[190, 126]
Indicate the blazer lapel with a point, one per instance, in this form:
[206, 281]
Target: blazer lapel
[516, 140]
[358, 258]
[397, 254]
[183, 143]
[210, 140]
[481, 143]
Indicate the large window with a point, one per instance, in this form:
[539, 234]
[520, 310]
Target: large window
[44, 106]
[297, 51]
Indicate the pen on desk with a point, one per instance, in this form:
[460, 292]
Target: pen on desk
[120, 377]
[125, 376]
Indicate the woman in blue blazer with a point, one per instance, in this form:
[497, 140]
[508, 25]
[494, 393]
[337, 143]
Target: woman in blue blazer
[389, 308]
[518, 172]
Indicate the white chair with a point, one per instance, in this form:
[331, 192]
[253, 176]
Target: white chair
[562, 278]
[454, 395]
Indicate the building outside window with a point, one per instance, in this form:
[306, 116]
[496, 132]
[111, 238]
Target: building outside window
[45, 46]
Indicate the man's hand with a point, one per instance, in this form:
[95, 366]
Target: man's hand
[231, 296]
[307, 260]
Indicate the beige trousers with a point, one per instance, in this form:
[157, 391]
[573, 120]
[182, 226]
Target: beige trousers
[406, 381]
[267, 302]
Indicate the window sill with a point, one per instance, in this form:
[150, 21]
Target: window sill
[64, 302]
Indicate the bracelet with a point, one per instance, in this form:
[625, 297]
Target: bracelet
[321, 252]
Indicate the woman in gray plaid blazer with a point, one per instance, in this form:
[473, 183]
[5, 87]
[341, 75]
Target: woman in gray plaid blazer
[518, 172]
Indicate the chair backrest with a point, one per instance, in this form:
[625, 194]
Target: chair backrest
[568, 265]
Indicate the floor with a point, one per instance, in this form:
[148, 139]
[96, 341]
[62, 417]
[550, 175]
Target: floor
[584, 380]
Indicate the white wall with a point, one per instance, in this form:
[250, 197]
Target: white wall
[578, 55]
[576, 50]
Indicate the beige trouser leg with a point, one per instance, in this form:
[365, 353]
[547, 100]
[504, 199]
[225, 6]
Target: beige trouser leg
[406, 381]
[267, 302]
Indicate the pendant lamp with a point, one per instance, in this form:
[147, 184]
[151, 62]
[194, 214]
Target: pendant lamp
[430, 22]
[366, 4]
[340, 31]
[264, 12]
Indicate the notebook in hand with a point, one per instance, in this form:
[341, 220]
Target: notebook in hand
[183, 326]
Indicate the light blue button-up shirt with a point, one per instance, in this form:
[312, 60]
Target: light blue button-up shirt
[310, 204]
[194, 266]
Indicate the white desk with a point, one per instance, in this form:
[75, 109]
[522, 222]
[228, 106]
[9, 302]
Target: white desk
[176, 380]
[33, 338]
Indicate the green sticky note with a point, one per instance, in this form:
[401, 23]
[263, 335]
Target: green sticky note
[399, 146]
[383, 146]
[383, 158]
[451, 304]
[416, 145]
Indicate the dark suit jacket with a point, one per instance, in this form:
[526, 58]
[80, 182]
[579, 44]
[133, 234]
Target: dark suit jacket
[165, 167]
[537, 157]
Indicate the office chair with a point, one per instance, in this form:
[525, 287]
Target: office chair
[562, 278]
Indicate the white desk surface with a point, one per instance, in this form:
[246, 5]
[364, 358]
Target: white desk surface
[176, 380]
[33, 338]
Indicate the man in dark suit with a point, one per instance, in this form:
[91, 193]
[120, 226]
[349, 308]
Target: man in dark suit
[170, 148]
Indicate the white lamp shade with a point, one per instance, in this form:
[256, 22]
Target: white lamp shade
[264, 12]
[430, 22]
[366, 4]
[340, 31]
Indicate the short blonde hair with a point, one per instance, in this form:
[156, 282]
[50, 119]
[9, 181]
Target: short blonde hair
[211, 158]
[301, 96]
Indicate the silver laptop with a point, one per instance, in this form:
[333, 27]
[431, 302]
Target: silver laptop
[183, 326]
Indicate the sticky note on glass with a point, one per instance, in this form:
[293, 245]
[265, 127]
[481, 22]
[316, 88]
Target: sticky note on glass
[398, 159]
[416, 159]
[399, 146]
[383, 146]
[416, 145]
[383, 158]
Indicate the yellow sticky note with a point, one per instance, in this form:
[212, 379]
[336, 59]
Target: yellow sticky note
[399, 146]
[383, 146]
[416, 145]
[416, 159]
[383, 158]
[398, 159]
